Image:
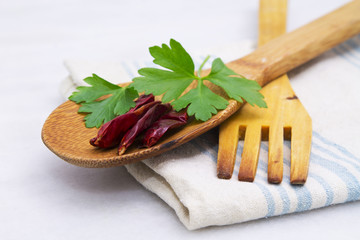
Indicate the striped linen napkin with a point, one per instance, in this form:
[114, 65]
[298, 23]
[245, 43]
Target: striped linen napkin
[185, 178]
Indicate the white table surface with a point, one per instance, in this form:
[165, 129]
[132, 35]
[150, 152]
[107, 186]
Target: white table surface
[41, 196]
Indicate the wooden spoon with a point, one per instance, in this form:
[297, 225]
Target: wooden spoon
[65, 134]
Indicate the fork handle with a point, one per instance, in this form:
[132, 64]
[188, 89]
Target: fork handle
[272, 20]
[290, 50]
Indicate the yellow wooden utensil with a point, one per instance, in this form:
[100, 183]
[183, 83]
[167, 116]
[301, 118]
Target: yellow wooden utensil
[285, 117]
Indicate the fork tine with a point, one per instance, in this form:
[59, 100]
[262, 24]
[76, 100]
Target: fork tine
[250, 154]
[300, 151]
[228, 142]
[275, 162]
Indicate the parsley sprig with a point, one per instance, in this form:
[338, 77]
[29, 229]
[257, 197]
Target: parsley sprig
[177, 73]
[101, 111]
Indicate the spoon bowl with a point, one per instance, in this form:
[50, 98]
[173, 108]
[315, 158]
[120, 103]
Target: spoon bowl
[65, 134]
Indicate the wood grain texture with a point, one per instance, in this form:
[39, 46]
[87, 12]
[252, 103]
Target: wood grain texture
[250, 154]
[290, 50]
[227, 150]
[284, 113]
[64, 132]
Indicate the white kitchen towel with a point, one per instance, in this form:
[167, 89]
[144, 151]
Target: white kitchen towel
[185, 178]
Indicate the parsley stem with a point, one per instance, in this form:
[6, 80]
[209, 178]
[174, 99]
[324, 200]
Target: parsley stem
[199, 84]
[202, 65]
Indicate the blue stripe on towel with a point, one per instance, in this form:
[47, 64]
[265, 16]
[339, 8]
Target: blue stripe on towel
[337, 157]
[327, 188]
[269, 199]
[353, 44]
[347, 51]
[286, 200]
[338, 147]
[338, 52]
[303, 194]
[352, 184]
[281, 190]
[350, 180]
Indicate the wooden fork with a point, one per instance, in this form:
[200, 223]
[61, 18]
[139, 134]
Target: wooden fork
[285, 117]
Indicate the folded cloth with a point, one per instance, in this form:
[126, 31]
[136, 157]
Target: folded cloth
[185, 178]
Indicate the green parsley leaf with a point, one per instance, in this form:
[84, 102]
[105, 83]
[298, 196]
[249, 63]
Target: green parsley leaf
[179, 73]
[100, 87]
[236, 87]
[159, 81]
[201, 102]
[174, 58]
[101, 111]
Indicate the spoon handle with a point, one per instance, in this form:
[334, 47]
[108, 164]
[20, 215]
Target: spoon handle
[288, 51]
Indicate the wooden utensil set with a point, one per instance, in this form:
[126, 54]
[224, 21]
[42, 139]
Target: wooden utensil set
[64, 132]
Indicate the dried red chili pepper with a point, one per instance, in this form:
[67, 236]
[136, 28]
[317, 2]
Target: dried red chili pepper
[179, 116]
[142, 100]
[160, 127]
[111, 133]
[153, 114]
